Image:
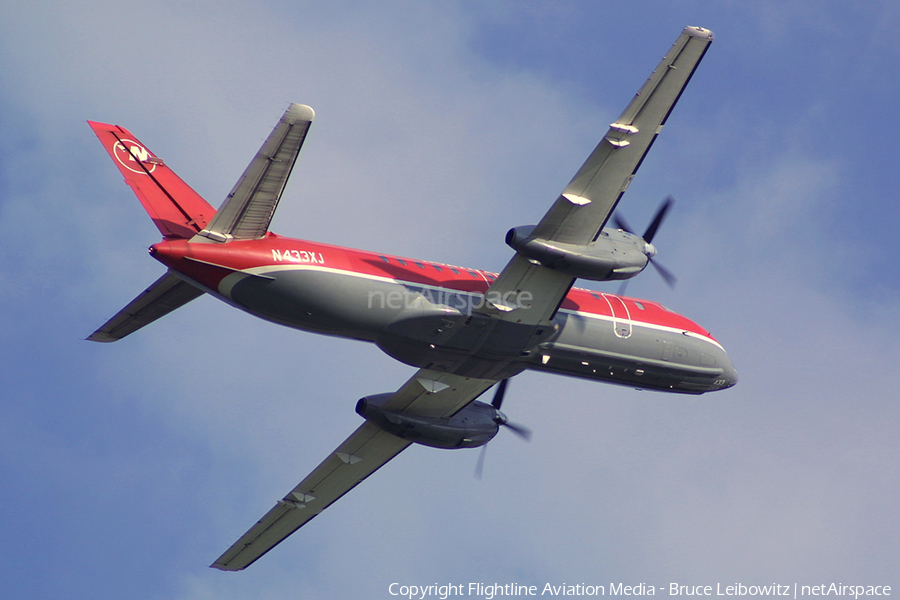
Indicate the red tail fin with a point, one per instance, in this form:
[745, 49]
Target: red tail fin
[176, 209]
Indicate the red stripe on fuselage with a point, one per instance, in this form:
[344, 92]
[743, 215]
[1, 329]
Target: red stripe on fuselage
[209, 263]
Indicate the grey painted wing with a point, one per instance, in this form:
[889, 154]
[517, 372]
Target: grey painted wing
[361, 454]
[365, 451]
[587, 202]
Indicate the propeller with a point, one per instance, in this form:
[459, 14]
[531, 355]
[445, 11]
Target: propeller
[500, 419]
[649, 234]
[503, 421]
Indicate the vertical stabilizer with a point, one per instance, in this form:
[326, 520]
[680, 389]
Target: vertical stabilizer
[177, 210]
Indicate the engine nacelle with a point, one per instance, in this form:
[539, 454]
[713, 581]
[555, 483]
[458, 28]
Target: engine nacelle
[473, 426]
[614, 255]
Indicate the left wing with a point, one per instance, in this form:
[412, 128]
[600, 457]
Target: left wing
[427, 393]
[581, 211]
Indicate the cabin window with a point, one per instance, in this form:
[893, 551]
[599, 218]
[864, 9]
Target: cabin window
[639, 305]
[401, 261]
[455, 270]
[436, 268]
[420, 265]
[384, 258]
[596, 297]
[473, 274]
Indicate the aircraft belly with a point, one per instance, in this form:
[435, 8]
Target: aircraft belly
[458, 343]
[318, 301]
[648, 357]
[410, 325]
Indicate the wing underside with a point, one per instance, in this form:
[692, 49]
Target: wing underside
[586, 203]
[427, 393]
[360, 455]
[589, 199]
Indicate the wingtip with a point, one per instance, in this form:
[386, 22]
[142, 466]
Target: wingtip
[102, 337]
[699, 32]
[300, 112]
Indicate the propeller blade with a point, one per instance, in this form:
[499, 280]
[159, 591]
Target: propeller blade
[520, 430]
[479, 466]
[665, 273]
[658, 219]
[648, 236]
[501, 420]
[621, 224]
[498, 395]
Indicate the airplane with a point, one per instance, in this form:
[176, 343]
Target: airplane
[465, 330]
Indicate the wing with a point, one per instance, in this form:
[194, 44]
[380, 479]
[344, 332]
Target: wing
[427, 393]
[165, 295]
[248, 209]
[581, 211]
[360, 455]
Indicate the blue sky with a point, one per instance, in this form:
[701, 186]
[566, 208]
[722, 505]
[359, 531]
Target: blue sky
[128, 468]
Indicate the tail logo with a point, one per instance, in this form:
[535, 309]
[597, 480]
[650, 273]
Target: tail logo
[134, 157]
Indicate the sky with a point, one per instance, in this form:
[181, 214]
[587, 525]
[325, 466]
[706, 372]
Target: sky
[127, 468]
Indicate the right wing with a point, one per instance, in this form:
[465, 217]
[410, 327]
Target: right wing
[581, 211]
[586, 203]
[427, 393]
[248, 209]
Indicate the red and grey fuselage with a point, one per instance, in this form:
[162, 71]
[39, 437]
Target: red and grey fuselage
[426, 315]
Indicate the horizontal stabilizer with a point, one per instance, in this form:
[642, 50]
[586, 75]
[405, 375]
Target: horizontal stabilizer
[248, 209]
[165, 295]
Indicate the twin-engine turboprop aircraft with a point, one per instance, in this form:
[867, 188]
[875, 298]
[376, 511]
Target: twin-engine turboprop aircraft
[464, 329]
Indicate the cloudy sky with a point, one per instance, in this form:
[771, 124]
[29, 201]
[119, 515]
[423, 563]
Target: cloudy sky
[126, 469]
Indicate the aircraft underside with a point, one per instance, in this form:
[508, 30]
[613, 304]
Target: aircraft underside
[432, 328]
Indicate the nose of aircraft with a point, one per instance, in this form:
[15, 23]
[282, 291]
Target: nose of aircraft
[730, 374]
